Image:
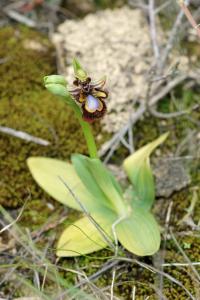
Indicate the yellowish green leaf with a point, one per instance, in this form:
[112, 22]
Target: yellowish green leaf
[137, 167]
[51, 173]
[101, 181]
[139, 233]
[84, 237]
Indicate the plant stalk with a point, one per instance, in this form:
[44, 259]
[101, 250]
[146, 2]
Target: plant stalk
[87, 131]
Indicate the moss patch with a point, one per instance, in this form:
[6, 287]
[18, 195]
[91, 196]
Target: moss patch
[25, 105]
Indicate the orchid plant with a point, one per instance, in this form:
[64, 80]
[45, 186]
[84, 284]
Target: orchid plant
[109, 213]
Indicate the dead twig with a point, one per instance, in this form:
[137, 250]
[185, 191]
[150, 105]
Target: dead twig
[114, 142]
[24, 136]
[20, 18]
[153, 31]
[171, 40]
[176, 114]
[189, 16]
[162, 6]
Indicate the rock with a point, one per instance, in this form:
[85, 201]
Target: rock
[115, 43]
[107, 44]
[171, 176]
[34, 45]
[78, 7]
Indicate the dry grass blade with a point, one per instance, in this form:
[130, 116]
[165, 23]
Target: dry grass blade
[181, 264]
[6, 227]
[185, 256]
[154, 270]
[35, 261]
[116, 253]
[98, 227]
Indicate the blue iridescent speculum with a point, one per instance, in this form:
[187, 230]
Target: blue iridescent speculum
[92, 104]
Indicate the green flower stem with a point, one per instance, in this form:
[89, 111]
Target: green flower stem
[87, 131]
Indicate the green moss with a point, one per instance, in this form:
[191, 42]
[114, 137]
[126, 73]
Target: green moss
[193, 49]
[25, 105]
[109, 3]
[32, 216]
[24, 66]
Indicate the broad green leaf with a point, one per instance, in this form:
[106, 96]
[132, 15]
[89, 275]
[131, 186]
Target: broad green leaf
[83, 237]
[139, 233]
[137, 167]
[81, 167]
[101, 181]
[78, 70]
[51, 173]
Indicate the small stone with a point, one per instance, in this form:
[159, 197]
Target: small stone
[171, 176]
[34, 45]
[140, 67]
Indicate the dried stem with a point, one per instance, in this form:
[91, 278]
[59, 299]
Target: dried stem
[24, 136]
[189, 16]
[153, 31]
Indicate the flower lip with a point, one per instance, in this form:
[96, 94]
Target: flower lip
[91, 96]
[92, 103]
[96, 115]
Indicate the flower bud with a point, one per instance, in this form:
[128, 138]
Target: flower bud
[57, 89]
[55, 79]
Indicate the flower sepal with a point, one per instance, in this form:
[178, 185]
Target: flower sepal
[79, 72]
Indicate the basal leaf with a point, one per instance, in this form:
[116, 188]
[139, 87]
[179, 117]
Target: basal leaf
[137, 167]
[139, 233]
[101, 180]
[83, 237]
[51, 173]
